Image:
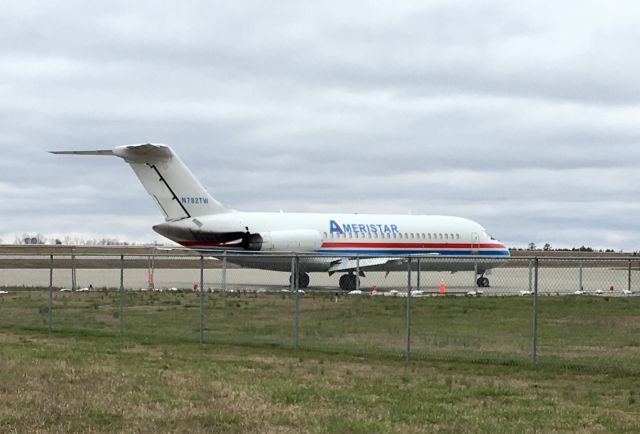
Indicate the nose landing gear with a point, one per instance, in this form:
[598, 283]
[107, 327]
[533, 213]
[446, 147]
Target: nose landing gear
[482, 282]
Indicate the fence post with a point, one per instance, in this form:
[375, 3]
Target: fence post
[73, 272]
[50, 303]
[224, 271]
[530, 276]
[294, 288]
[357, 273]
[475, 274]
[580, 284]
[629, 282]
[201, 299]
[150, 278]
[121, 292]
[408, 310]
[534, 344]
[418, 275]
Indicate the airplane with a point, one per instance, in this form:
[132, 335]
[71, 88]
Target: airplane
[348, 244]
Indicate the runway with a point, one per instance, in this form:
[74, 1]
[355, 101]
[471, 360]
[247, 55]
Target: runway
[504, 281]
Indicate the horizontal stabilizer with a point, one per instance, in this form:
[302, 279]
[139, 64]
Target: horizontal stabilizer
[107, 152]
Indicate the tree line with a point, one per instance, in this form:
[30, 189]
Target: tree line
[548, 248]
[40, 239]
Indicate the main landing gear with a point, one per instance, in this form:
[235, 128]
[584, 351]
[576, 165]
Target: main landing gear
[348, 282]
[482, 282]
[303, 280]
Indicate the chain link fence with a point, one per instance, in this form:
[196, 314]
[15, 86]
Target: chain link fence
[581, 311]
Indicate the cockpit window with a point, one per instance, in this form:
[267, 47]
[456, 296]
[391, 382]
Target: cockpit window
[488, 235]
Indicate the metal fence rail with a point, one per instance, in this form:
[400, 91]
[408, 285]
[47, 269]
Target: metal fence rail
[410, 310]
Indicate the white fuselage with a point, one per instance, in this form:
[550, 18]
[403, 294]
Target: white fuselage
[335, 235]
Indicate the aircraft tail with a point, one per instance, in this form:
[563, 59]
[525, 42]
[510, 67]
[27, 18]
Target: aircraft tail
[167, 180]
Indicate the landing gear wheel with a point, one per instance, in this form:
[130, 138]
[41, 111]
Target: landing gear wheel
[303, 280]
[348, 282]
[483, 282]
[343, 282]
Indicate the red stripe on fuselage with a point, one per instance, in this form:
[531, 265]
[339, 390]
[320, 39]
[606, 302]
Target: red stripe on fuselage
[365, 245]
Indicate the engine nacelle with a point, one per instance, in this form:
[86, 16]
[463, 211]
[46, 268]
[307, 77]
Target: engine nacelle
[302, 240]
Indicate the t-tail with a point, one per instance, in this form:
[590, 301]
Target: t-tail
[167, 180]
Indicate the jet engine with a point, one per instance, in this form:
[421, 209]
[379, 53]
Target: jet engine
[302, 240]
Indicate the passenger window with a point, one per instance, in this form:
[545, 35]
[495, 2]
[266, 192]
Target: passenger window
[325, 235]
[446, 236]
[400, 235]
[441, 236]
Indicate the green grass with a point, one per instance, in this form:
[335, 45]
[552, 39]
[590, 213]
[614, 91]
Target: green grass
[591, 332]
[470, 367]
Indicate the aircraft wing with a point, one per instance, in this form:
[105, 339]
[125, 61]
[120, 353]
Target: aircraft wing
[350, 264]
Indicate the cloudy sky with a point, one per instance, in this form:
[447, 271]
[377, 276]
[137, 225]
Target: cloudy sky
[523, 117]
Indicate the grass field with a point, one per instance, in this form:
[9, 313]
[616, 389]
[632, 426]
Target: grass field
[470, 367]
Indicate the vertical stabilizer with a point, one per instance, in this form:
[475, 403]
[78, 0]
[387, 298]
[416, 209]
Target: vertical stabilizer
[165, 177]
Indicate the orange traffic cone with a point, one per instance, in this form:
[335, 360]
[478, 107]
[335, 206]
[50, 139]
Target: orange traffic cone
[442, 288]
[150, 280]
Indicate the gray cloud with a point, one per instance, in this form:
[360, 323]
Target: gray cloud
[520, 116]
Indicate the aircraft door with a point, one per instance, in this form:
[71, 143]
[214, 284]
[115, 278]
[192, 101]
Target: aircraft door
[475, 243]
